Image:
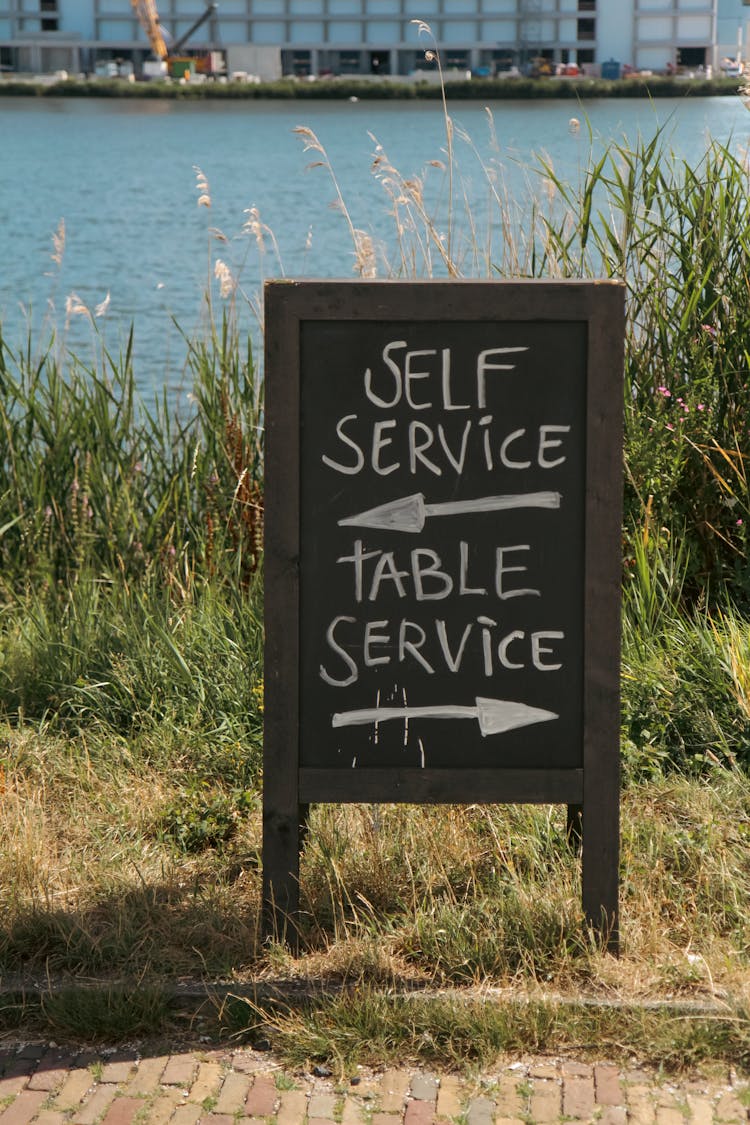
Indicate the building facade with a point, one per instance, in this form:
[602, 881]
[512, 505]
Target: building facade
[378, 36]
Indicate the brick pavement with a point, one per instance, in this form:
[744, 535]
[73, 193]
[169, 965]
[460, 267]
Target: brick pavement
[42, 1084]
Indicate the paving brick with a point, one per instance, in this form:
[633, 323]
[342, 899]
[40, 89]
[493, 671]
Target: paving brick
[161, 1108]
[639, 1094]
[233, 1092]
[207, 1082]
[366, 1089]
[419, 1113]
[481, 1111]
[50, 1117]
[292, 1107]
[613, 1115]
[578, 1097]
[394, 1086]
[322, 1106]
[607, 1085]
[669, 1115]
[95, 1105]
[24, 1108]
[667, 1096]
[508, 1102]
[353, 1111]
[74, 1089]
[729, 1108]
[701, 1109]
[220, 1119]
[122, 1111]
[51, 1071]
[11, 1086]
[179, 1071]
[545, 1100]
[642, 1114]
[509, 1121]
[424, 1087]
[146, 1079]
[449, 1096]
[119, 1067]
[386, 1118]
[261, 1098]
[187, 1115]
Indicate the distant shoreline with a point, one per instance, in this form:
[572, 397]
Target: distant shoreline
[348, 88]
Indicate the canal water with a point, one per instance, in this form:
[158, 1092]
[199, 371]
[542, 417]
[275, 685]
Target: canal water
[141, 249]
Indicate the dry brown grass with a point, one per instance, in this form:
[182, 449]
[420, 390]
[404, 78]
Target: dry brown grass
[478, 895]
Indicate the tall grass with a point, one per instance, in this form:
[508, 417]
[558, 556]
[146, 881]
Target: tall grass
[131, 645]
[677, 235]
[131, 552]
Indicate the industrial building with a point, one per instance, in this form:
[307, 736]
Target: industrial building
[316, 37]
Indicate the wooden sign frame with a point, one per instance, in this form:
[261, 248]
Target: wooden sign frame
[590, 789]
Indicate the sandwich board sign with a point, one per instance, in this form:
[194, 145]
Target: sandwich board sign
[442, 557]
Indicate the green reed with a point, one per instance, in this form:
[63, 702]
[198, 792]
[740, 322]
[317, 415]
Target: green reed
[130, 543]
[93, 478]
[677, 236]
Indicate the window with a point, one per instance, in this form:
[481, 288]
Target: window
[49, 23]
[586, 29]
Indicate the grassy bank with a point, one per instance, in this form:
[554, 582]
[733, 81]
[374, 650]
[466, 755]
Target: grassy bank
[476, 89]
[131, 688]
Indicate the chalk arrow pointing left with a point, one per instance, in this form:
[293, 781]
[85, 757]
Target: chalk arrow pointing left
[495, 716]
[409, 513]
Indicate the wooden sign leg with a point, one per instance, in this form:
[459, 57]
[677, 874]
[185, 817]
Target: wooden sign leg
[600, 868]
[283, 834]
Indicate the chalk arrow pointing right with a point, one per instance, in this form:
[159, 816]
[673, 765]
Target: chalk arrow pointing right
[410, 512]
[495, 716]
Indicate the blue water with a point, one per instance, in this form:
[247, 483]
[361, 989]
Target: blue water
[121, 175]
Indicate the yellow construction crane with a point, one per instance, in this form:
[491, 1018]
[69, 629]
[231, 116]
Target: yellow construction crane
[149, 18]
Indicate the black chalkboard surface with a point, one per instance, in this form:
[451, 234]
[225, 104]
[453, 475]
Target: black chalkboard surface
[441, 528]
[443, 554]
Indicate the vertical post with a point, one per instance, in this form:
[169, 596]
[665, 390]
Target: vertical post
[282, 812]
[600, 863]
[601, 748]
[283, 831]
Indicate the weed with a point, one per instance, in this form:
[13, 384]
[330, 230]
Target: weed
[284, 1081]
[110, 1014]
[204, 817]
